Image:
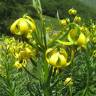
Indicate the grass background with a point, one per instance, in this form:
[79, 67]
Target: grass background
[12, 9]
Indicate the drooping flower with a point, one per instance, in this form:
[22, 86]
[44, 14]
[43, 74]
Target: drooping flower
[23, 26]
[77, 37]
[56, 58]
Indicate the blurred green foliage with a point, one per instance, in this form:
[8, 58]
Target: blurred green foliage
[50, 7]
[10, 10]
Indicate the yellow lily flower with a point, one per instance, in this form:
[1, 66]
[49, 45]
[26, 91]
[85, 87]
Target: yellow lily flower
[68, 81]
[56, 58]
[22, 26]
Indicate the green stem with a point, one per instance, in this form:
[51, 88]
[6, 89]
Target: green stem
[70, 90]
[46, 92]
[43, 33]
[84, 92]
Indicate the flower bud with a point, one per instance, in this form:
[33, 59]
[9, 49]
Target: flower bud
[77, 19]
[63, 22]
[68, 81]
[72, 11]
